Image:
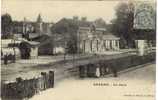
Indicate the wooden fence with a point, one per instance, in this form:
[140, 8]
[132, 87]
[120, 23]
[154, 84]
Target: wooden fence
[26, 88]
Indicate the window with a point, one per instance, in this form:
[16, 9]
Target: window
[110, 44]
[84, 44]
[97, 44]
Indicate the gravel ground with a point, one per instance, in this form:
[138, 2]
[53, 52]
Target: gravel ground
[31, 68]
[138, 84]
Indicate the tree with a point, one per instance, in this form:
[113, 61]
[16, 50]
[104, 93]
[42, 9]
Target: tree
[72, 45]
[100, 23]
[68, 28]
[123, 24]
[6, 25]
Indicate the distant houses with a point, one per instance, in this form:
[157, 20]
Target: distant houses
[33, 31]
[65, 35]
[82, 33]
[30, 29]
[70, 35]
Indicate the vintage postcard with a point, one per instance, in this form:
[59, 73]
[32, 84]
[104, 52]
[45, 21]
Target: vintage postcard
[78, 50]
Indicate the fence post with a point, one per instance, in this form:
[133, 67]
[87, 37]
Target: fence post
[20, 88]
[6, 59]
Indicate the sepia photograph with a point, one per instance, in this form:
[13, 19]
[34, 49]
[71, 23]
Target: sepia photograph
[78, 50]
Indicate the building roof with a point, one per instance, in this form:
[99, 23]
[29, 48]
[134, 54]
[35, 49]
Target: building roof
[33, 43]
[96, 33]
[89, 28]
[33, 35]
[84, 28]
[110, 37]
[100, 29]
[18, 23]
[6, 42]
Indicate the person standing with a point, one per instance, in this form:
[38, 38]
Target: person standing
[114, 70]
[40, 83]
[6, 59]
[97, 71]
[47, 80]
[13, 58]
[36, 85]
[20, 88]
[43, 74]
[51, 79]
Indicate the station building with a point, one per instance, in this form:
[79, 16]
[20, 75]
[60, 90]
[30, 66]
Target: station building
[96, 40]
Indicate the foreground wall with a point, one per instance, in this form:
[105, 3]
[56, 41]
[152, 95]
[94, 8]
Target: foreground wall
[114, 65]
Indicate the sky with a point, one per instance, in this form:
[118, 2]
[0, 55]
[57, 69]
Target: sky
[53, 11]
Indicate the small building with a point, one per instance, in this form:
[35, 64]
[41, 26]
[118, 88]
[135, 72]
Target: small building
[29, 49]
[20, 48]
[50, 45]
[46, 45]
[96, 40]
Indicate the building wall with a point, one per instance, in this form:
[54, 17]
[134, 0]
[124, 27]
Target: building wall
[34, 52]
[59, 50]
[98, 46]
[96, 42]
[10, 50]
[27, 27]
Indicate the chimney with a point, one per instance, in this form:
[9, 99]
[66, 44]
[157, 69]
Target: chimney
[75, 18]
[84, 19]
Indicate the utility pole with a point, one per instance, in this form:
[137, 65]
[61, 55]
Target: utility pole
[78, 44]
[65, 48]
[13, 37]
[73, 56]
